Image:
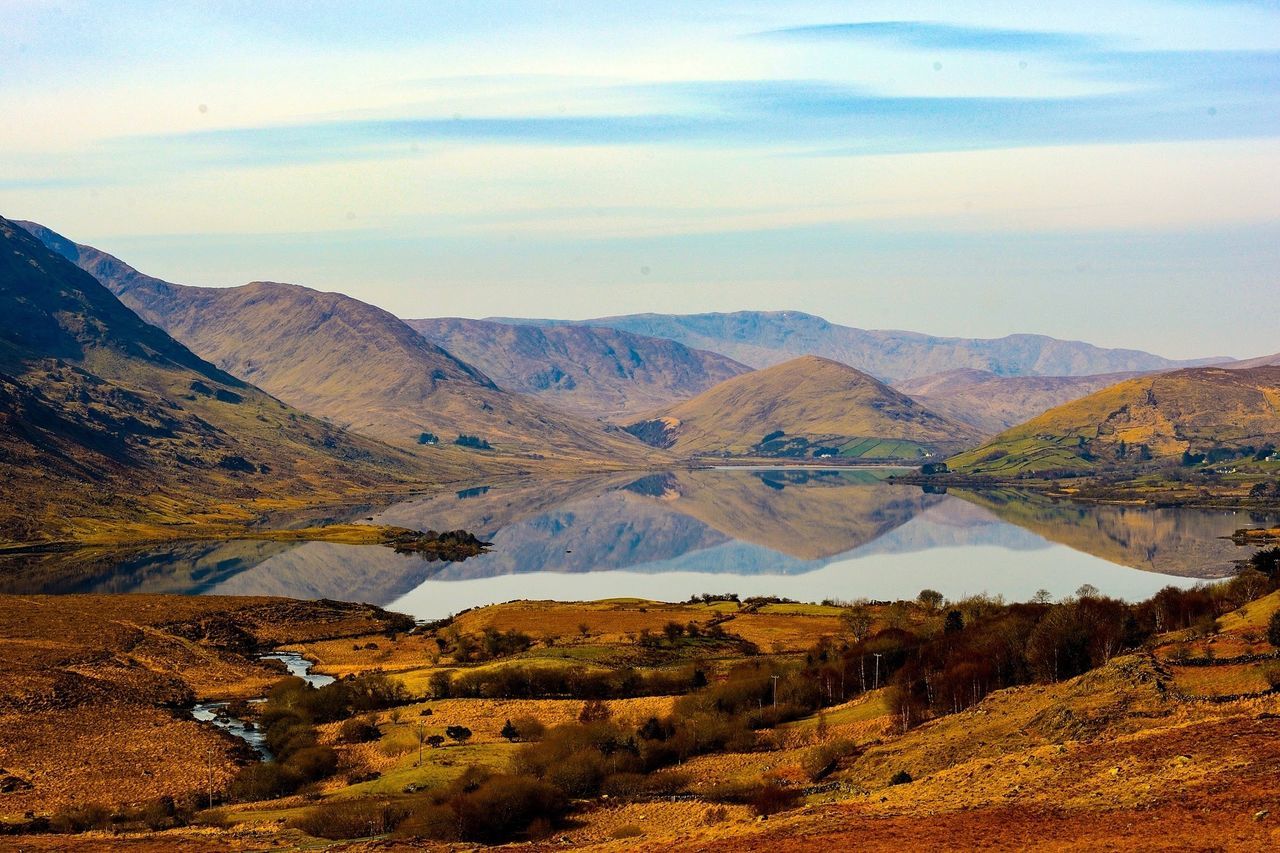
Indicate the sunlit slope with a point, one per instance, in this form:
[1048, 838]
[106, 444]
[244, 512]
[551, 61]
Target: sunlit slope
[806, 406]
[107, 422]
[1207, 411]
[994, 403]
[351, 363]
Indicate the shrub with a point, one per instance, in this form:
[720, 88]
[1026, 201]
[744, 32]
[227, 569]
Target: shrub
[1271, 672]
[773, 798]
[490, 809]
[358, 730]
[341, 819]
[822, 759]
[264, 781]
[313, 763]
[461, 734]
[529, 728]
[1273, 629]
[902, 777]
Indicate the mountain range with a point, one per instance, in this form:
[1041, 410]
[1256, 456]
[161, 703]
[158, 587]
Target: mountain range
[599, 372]
[351, 363]
[765, 338]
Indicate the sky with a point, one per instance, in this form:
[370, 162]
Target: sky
[1105, 171]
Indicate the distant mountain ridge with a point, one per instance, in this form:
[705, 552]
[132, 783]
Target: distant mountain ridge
[350, 362]
[594, 371]
[764, 338]
[809, 407]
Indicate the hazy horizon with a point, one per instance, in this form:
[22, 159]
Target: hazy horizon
[964, 172]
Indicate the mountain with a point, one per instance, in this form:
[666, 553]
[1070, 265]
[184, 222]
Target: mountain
[1261, 361]
[805, 407]
[597, 372]
[764, 338]
[994, 403]
[348, 362]
[1206, 413]
[107, 423]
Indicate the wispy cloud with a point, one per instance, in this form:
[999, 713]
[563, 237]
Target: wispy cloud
[1162, 96]
[937, 36]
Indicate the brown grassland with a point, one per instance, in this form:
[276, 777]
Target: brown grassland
[1140, 753]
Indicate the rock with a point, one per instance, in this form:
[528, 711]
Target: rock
[1262, 815]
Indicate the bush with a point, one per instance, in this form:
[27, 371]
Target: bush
[342, 819]
[264, 781]
[488, 809]
[902, 777]
[1273, 629]
[313, 763]
[528, 728]
[822, 759]
[772, 798]
[358, 730]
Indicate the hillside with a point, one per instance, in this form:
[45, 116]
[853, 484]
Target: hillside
[806, 407]
[350, 363]
[1272, 360]
[1209, 414]
[764, 338]
[995, 403]
[597, 372]
[107, 422]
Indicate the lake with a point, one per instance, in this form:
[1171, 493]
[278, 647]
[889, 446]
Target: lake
[805, 534]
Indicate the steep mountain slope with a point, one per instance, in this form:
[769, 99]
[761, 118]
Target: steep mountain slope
[106, 421]
[806, 407]
[994, 403]
[1206, 413]
[348, 362]
[763, 338]
[594, 371]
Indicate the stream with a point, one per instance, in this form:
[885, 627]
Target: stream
[249, 733]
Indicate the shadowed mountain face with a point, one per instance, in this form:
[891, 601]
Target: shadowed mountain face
[105, 417]
[994, 403]
[1272, 360]
[593, 371]
[349, 362]
[764, 338]
[1208, 413]
[806, 407]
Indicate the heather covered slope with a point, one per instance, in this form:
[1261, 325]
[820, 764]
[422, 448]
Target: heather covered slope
[108, 422]
[350, 363]
[995, 403]
[806, 407]
[764, 338]
[1201, 414]
[598, 372]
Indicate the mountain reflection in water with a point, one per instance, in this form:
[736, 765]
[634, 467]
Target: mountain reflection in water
[802, 533]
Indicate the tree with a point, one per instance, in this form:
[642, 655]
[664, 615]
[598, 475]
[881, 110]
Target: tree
[593, 711]
[859, 620]
[1042, 596]
[673, 630]
[510, 732]
[1088, 590]
[930, 599]
[435, 741]
[1273, 629]
[954, 623]
[459, 733]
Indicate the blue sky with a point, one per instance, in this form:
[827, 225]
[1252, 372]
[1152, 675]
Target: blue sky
[1093, 170]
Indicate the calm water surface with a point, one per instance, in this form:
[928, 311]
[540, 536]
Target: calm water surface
[804, 534]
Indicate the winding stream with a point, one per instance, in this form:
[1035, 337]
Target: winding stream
[249, 733]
